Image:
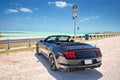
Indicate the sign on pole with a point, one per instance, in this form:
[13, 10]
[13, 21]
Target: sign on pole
[74, 14]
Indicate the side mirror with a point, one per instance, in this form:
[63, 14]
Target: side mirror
[41, 41]
[72, 41]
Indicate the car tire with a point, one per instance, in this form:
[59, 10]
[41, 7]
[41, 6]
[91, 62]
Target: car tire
[52, 63]
[37, 50]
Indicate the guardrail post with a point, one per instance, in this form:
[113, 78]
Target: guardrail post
[8, 41]
[29, 42]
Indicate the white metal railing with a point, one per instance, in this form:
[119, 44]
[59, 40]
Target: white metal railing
[10, 41]
[30, 40]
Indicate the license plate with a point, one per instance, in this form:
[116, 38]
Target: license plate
[88, 61]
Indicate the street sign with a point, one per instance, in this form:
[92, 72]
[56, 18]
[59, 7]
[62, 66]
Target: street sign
[74, 14]
[75, 6]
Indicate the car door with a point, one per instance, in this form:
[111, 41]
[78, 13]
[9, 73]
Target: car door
[48, 44]
[41, 47]
[46, 49]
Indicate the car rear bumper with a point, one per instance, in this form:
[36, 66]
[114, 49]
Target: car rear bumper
[64, 64]
[83, 67]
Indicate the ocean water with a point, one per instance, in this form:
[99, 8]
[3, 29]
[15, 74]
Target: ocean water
[28, 33]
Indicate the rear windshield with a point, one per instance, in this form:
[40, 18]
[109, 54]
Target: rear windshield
[58, 39]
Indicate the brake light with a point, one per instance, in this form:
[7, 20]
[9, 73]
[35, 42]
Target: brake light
[98, 52]
[70, 55]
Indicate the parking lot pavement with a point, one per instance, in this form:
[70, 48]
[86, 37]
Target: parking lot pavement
[27, 65]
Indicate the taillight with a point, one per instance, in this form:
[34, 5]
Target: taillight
[70, 55]
[98, 52]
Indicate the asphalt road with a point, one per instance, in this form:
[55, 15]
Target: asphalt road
[29, 66]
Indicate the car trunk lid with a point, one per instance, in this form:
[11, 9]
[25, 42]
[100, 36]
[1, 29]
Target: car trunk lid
[77, 46]
[82, 50]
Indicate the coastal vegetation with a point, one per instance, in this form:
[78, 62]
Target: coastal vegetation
[14, 45]
[17, 50]
[0, 34]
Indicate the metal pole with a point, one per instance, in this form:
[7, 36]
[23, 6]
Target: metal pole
[29, 42]
[74, 14]
[8, 43]
[74, 28]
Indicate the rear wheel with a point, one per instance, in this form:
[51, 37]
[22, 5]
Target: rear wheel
[52, 63]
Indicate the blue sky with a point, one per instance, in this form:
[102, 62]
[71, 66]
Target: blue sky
[56, 16]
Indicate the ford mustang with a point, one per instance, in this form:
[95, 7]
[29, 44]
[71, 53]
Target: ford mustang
[66, 54]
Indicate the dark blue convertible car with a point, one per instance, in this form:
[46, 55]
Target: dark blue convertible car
[65, 54]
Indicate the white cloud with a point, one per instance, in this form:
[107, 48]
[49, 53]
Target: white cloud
[60, 4]
[84, 19]
[11, 11]
[26, 10]
[94, 17]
